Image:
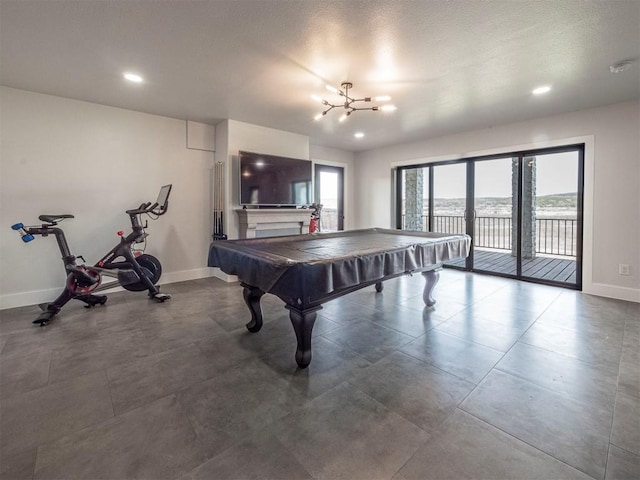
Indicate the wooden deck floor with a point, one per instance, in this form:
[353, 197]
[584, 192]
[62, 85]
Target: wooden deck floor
[555, 269]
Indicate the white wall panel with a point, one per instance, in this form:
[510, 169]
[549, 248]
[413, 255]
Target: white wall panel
[95, 162]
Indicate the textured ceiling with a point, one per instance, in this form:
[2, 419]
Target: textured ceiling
[450, 66]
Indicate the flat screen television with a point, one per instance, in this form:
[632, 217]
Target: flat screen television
[270, 180]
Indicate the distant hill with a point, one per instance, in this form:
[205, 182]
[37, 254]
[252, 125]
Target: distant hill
[570, 194]
[558, 201]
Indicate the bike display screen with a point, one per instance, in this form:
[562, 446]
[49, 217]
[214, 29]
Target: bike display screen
[163, 197]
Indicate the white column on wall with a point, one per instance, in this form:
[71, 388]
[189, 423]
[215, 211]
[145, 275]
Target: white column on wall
[203, 137]
[233, 136]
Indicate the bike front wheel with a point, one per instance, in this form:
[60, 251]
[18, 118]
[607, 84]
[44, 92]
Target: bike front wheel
[151, 269]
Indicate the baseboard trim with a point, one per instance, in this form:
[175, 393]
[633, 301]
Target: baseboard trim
[36, 297]
[611, 291]
[223, 276]
[185, 275]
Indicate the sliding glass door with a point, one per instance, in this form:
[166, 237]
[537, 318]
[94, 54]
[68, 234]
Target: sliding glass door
[552, 185]
[449, 212]
[523, 211]
[495, 212]
[449, 198]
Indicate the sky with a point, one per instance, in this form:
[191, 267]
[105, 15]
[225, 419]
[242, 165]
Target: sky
[329, 189]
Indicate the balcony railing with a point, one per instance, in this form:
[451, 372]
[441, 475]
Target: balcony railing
[554, 236]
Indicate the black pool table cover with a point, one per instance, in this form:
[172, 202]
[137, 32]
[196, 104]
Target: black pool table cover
[305, 270]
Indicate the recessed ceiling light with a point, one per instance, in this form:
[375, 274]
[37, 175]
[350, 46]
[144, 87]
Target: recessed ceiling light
[358, 134]
[541, 90]
[132, 77]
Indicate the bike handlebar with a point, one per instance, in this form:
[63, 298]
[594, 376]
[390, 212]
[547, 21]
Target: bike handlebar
[144, 208]
[159, 207]
[20, 228]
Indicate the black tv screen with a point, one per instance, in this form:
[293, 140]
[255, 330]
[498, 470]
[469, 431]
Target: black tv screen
[270, 180]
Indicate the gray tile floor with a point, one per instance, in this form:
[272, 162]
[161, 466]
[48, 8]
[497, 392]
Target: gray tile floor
[501, 379]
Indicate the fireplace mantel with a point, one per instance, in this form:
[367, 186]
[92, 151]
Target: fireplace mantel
[273, 222]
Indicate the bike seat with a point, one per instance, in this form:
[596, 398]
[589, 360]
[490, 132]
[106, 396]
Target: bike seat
[54, 218]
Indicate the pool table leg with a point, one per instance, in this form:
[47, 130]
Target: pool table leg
[252, 296]
[431, 277]
[303, 321]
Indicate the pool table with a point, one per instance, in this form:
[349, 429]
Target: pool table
[308, 270]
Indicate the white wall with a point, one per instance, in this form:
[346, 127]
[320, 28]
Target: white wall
[344, 159]
[612, 182]
[233, 136]
[66, 156]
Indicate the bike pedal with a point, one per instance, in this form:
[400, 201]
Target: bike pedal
[161, 297]
[44, 318]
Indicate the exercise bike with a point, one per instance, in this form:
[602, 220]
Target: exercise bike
[137, 272]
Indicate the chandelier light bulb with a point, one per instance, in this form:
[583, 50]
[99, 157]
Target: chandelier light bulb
[332, 89]
[343, 117]
[388, 108]
[316, 98]
[382, 98]
[318, 116]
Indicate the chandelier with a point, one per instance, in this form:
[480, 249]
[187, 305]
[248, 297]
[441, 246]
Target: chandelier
[348, 104]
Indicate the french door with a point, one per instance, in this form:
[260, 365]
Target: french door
[329, 192]
[523, 211]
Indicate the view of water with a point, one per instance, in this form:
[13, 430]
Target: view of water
[548, 206]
